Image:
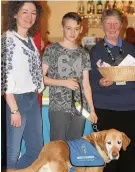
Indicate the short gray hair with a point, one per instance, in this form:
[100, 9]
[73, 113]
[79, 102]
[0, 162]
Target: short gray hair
[111, 12]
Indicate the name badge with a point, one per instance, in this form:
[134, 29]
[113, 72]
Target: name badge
[121, 83]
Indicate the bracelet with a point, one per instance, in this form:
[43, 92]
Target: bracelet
[15, 111]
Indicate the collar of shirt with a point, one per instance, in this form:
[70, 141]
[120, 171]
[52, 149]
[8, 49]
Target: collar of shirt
[111, 46]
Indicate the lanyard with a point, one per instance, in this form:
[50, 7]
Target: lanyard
[110, 53]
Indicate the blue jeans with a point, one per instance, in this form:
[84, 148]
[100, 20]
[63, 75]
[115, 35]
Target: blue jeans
[30, 131]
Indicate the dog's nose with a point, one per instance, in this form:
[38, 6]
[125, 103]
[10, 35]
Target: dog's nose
[115, 155]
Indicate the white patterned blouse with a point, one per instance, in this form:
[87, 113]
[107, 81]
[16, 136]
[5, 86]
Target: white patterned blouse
[21, 70]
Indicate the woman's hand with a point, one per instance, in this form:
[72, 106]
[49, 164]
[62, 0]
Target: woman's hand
[72, 84]
[93, 117]
[105, 83]
[16, 120]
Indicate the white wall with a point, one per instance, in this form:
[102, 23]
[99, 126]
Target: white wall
[58, 9]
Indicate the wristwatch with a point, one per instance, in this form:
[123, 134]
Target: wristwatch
[15, 111]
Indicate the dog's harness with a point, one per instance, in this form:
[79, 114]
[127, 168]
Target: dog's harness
[84, 154]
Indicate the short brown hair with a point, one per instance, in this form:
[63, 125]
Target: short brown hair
[72, 15]
[111, 12]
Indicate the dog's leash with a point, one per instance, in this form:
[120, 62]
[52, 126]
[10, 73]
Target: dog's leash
[75, 111]
[95, 128]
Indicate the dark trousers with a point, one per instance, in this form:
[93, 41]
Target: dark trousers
[123, 121]
[65, 126]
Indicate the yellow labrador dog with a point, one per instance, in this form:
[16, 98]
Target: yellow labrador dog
[54, 156]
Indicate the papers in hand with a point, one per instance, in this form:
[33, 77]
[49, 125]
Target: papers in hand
[128, 61]
[123, 72]
[100, 63]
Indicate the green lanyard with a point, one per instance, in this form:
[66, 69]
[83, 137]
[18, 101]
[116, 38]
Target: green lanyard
[109, 51]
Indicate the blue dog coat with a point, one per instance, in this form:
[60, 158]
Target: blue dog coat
[84, 154]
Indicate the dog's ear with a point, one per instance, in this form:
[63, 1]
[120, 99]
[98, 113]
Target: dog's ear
[125, 141]
[100, 139]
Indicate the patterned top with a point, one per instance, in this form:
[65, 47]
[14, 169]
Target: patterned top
[65, 63]
[21, 70]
